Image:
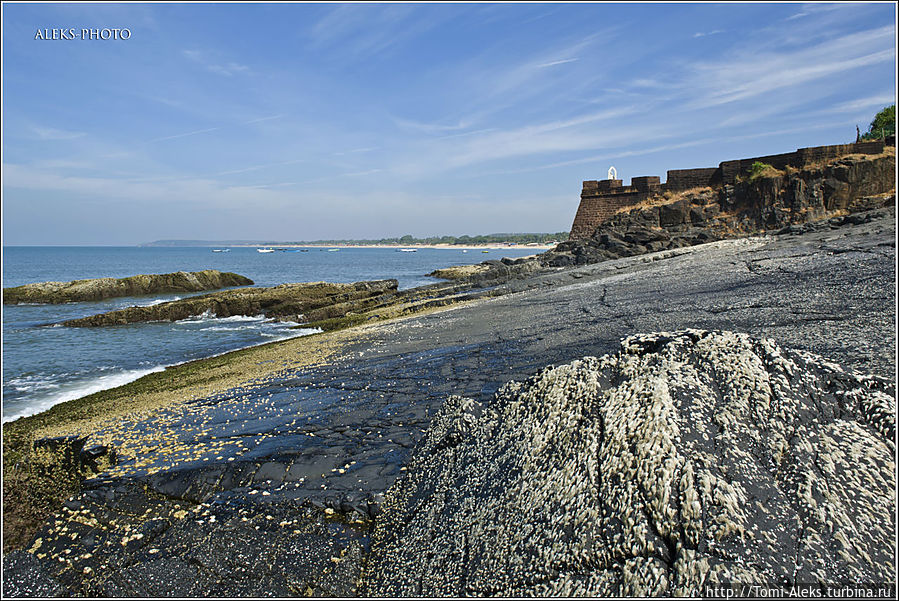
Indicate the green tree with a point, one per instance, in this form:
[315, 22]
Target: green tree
[884, 124]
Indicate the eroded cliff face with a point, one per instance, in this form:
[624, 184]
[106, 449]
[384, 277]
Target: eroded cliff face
[798, 200]
[138, 285]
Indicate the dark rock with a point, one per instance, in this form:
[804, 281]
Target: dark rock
[286, 301]
[673, 213]
[24, 575]
[138, 285]
[697, 216]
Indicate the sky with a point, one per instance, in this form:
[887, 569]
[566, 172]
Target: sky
[316, 121]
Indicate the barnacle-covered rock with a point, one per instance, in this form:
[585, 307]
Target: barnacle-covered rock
[685, 460]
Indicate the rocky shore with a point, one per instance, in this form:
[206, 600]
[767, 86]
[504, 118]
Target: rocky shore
[725, 449]
[138, 285]
[816, 197]
[685, 460]
[287, 301]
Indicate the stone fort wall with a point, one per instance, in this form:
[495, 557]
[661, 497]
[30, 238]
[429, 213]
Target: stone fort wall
[600, 199]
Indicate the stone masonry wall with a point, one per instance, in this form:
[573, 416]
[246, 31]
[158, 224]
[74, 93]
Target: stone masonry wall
[602, 199]
[595, 209]
[685, 179]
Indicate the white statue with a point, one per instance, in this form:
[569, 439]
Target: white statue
[613, 173]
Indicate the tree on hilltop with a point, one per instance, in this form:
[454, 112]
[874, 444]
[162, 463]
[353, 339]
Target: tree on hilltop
[883, 125]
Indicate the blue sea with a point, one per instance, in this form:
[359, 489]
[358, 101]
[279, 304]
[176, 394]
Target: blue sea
[44, 364]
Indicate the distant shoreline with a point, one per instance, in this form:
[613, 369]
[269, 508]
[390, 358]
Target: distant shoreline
[496, 246]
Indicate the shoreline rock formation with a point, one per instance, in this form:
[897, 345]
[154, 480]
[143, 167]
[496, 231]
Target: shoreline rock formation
[137, 285]
[287, 301]
[685, 460]
[261, 472]
[793, 200]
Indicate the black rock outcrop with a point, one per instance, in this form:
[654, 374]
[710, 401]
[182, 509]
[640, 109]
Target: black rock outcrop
[288, 301]
[137, 285]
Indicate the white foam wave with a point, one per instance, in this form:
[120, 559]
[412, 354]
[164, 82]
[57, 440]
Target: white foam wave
[159, 301]
[76, 390]
[209, 316]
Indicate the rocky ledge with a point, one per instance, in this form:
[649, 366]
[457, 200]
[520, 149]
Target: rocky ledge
[821, 197]
[287, 301]
[138, 285]
[683, 461]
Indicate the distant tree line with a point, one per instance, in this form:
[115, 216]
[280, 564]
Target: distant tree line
[408, 239]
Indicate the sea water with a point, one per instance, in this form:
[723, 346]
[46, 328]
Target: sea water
[46, 364]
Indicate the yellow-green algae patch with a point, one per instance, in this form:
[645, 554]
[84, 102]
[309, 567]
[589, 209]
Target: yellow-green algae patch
[459, 272]
[37, 481]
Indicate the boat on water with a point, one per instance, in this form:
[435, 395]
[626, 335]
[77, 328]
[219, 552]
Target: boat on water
[221, 250]
[333, 250]
[265, 250]
[407, 250]
[485, 251]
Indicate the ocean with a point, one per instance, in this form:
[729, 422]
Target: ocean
[44, 364]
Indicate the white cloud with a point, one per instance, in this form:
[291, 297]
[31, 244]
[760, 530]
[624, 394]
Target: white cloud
[878, 101]
[184, 135]
[702, 34]
[227, 69]
[762, 71]
[811, 9]
[50, 133]
[558, 62]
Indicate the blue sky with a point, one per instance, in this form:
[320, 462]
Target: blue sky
[308, 121]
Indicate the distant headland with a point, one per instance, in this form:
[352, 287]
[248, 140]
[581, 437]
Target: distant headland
[532, 239]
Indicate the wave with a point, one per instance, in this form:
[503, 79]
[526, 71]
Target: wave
[209, 316]
[158, 301]
[75, 390]
[70, 391]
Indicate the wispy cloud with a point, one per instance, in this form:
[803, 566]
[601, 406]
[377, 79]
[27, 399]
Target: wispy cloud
[811, 9]
[184, 135]
[261, 119]
[559, 62]
[258, 167]
[200, 191]
[362, 173]
[355, 151]
[761, 72]
[702, 34]
[51, 133]
[372, 29]
[879, 100]
[431, 128]
[227, 69]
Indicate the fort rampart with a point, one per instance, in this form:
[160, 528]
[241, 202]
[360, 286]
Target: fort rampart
[603, 198]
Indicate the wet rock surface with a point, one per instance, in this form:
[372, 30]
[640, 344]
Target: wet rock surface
[684, 460]
[101, 288]
[316, 448]
[289, 301]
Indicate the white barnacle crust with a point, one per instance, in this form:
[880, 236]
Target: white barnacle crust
[687, 458]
